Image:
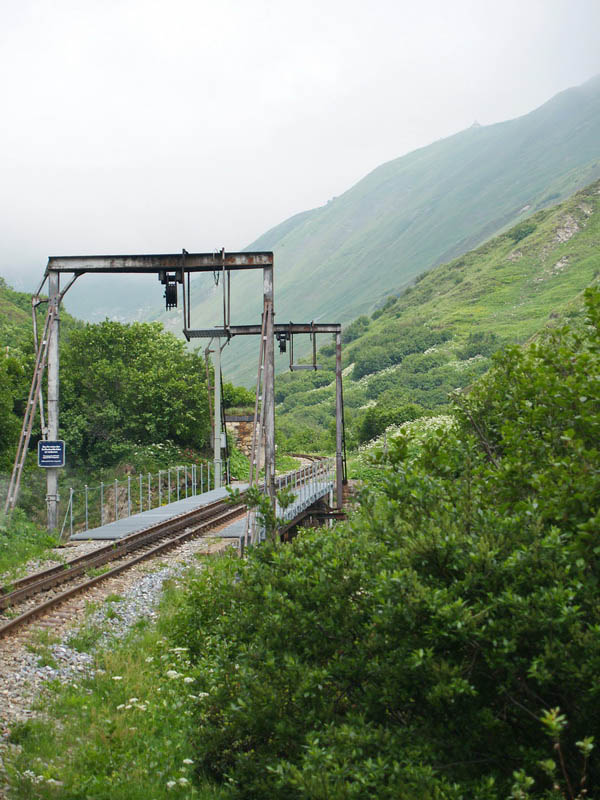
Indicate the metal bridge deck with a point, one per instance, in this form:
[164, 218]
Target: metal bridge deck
[306, 496]
[138, 522]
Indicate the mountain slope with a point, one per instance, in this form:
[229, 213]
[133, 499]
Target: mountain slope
[440, 333]
[336, 262]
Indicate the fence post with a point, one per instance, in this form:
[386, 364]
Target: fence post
[71, 508]
[208, 478]
[159, 488]
[185, 476]
[177, 479]
[129, 495]
[149, 493]
[116, 499]
[169, 484]
[86, 506]
[201, 478]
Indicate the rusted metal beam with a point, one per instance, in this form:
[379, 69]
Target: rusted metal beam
[192, 262]
[255, 330]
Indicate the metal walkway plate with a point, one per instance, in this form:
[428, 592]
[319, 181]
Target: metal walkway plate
[138, 522]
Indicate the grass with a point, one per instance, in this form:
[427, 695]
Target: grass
[41, 646]
[122, 734]
[86, 638]
[95, 572]
[22, 541]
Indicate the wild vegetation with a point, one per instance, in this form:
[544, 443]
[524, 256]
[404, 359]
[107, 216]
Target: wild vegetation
[442, 644]
[123, 733]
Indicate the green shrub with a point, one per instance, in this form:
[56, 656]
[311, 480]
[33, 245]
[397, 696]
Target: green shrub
[521, 231]
[422, 650]
[355, 329]
[483, 343]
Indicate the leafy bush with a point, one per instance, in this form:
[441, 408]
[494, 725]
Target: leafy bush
[423, 649]
[372, 422]
[373, 357]
[237, 396]
[483, 343]
[521, 231]
[355, 329]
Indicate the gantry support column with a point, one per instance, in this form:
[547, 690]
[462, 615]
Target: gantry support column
[217, 416]
[339, 467]
[52, 496]
[269, 384]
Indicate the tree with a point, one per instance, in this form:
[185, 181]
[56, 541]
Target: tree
[123, 384]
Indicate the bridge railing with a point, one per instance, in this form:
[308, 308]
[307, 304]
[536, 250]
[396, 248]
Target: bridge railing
[309, 484]
[94, 506]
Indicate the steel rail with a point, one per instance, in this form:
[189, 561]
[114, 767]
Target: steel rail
[195, 522]
[171, 542]
[53, 576]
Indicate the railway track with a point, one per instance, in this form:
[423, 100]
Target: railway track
[145, 544]
[36, 594]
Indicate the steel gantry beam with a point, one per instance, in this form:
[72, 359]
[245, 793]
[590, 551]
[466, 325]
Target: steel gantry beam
[191, 262]
[254, 330]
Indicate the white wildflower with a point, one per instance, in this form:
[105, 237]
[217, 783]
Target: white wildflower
[117, 677]
[172, 674]
[183, 781]
[188, 680]
[171, 784]
[187, 761]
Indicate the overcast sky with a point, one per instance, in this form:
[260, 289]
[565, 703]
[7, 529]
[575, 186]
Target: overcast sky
[152, 125]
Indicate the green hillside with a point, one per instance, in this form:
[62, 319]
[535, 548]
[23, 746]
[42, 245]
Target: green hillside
[339, 261]
[440, 333]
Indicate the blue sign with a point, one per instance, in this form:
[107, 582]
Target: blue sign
[51, 454]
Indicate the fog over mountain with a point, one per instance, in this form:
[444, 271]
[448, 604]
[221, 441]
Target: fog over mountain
[146, 127]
